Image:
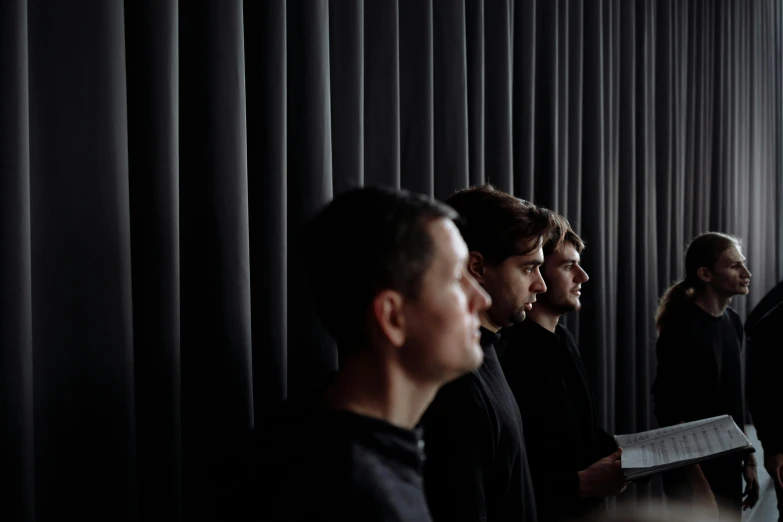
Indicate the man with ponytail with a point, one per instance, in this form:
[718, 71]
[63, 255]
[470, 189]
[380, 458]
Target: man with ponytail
[699, 373]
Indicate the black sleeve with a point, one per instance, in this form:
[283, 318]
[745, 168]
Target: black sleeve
[555, 484]
[767, 303]
[554, 474]
[765, 361]
[605, 442]
[458, 448]
[673, 389]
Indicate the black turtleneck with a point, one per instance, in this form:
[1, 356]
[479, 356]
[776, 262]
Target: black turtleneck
[338, 465]
[476, 466]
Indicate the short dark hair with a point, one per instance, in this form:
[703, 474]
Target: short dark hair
[365, 241]
[498, 225]
[562, 233]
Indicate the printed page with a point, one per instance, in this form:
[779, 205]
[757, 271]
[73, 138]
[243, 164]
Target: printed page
[644, 436]
[718, 435]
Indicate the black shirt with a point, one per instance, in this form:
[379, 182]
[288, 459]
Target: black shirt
[549, 380]
[338, 465]
[699, 376]
[476, 467]
[770, 300]
[699, 373]
[765, 363]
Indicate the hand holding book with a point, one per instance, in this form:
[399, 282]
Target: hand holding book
[653, 451]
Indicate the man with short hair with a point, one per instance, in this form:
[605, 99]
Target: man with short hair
[574, 463]
[476, 467]
[390, 284]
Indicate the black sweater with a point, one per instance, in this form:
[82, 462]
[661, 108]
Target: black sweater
[770, 300]
[765, 363]
[476, 467]
[699, 376]
[549, 380]
[699, 373]
[338, 465]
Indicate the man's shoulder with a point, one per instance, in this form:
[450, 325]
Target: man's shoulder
[524, 340]
[564, 333]
[464, 398]
[733, 314]
[520, 330]
[346, 479]
[467, 389]
[736, 321]
[771, 323]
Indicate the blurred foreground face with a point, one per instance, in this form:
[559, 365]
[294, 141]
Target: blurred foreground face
[442, 323]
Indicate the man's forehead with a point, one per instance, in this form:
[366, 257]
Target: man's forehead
[536, 255]
[565, 253]
[733, 255]
[451, 242]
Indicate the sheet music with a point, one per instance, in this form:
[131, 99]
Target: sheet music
[683, 442]
[626, 440]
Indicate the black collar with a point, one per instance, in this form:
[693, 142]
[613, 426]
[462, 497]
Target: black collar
[393, 442]
[488, 338]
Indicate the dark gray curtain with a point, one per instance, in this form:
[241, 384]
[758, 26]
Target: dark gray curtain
[157, 159]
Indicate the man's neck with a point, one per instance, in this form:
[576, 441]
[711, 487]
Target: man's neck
[487, 323]
[371, 388]
[711, 302]
[544, 317]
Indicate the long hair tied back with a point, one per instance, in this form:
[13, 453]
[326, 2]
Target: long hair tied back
[703, 250]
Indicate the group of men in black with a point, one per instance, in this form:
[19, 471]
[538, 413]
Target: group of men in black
[460, 396]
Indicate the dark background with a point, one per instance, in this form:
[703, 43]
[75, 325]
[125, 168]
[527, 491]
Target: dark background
[157, 158]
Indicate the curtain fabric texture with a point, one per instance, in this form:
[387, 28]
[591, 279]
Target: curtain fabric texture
[157, 159]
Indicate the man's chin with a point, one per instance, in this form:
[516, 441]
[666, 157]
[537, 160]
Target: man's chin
[568, 307]
[476, 361]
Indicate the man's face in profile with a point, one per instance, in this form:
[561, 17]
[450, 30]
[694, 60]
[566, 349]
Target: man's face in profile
[442, 323]
[513, 285]
[564, 277]
[729, 275]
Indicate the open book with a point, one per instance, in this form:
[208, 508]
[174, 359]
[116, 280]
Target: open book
[653, 451]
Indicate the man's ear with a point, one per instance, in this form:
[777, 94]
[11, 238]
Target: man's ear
[704, 274]
[387, 308]
[476, 266]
